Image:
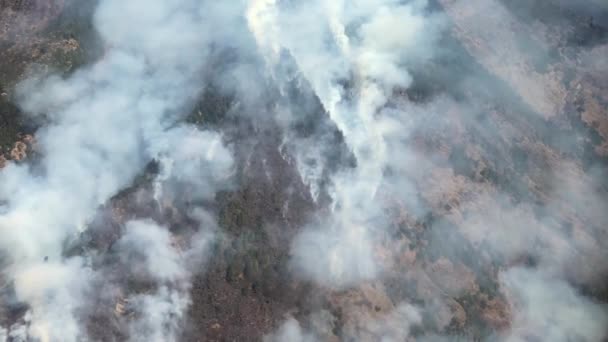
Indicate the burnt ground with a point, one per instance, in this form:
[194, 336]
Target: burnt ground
[246, 288]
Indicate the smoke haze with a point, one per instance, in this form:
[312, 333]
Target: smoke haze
[364, 170]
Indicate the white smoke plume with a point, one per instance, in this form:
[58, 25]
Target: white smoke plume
[162, 315]
[16, 332]
[335, 256]
[151, 251]
[393, 326]
[106, 122]
[147, 248]
[290, 330]
[547, 308]
[396, 326]
[353, 74]
[54, 292]
[355, 55]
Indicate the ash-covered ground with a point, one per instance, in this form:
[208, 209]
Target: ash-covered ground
[310, 170]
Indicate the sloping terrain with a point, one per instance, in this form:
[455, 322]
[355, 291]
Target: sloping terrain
[508, 161]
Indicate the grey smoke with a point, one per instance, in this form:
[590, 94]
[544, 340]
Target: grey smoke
[290, 330]
[354, 57]
[329, 254]
[147, 249]
[548, 308]
[106, 122]
[151, 251]
[374, 60]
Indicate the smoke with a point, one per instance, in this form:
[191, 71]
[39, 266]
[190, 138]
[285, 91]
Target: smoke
[371, 101]
[549, 308]
[396, 325]
[150, 251]
[353, 74]
[162, 314]
[193, 157]
[355, 59]
[147, 249]
[54, 291]
[105, 123]
[346, 255]
[290, 330]
[16, 332]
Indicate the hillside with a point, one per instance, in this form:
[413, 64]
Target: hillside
[487, 222]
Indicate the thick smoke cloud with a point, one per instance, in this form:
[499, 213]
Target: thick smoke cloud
[290, 331]
[346, 255]
[150, 252]
[353, 74]
[355, 58]
[54, 291]
[357, 62]
[549, 308]
[105, 123]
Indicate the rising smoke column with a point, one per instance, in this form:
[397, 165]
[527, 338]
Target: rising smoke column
[111, 119]
[149, 252]
[353, 55]
[107, 121]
